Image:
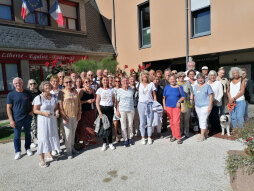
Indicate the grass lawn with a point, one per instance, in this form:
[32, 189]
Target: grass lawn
[3, 124]
[8, 133]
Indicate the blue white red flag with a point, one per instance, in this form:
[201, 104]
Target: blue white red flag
[24, 10]
[56, 13]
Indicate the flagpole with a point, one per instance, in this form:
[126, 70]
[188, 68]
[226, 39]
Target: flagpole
[187, 33]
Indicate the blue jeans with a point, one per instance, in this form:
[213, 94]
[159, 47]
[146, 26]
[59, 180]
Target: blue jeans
[146, 118]
[237, 114]
[26, 123]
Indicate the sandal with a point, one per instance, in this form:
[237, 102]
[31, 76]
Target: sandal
[43, 164]
[200, 139]
[49, 158]
[179, 141]
[172, 139]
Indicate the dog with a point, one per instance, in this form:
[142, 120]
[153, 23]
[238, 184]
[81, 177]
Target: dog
[225, 122]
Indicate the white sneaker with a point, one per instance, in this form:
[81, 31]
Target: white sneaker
[33, 145]
[53, 153]
[29, 152]
[150, 141]
[17, 155]
[143, 141]
[104, 147]
[111, 146]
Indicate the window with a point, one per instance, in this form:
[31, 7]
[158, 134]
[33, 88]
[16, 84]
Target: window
[6, 10]
[8, 71]
[38, 71]
[144, 22]
[201, 17]
[39, 16]
[69, 10]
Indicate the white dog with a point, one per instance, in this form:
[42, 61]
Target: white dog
[225, 122]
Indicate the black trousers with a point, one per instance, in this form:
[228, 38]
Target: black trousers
[109, 112]
[214, 119]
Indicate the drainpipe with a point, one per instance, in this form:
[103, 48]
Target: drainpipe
[187, 33]
[114, 27]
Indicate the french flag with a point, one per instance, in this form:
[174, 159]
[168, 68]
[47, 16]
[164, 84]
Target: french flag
[56, 13]
[24, 11]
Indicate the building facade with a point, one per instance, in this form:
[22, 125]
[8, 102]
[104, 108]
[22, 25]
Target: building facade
[26, 45]
[153, 31]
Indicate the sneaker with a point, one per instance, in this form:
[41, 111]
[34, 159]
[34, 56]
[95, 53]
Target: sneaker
[150, 141]
[143, 141]
[111, 146]
[104, 147]
[131, 142]
[33, 145]
[69, 155]
[126, 143]
[17, 155]
[54, 153]
[29, 152]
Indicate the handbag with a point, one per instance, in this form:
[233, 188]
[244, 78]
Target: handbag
[183, 104]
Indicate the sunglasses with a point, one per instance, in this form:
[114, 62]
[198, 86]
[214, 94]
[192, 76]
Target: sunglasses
[32, 83]
[61, 76]
[87, 82]
[69, 82]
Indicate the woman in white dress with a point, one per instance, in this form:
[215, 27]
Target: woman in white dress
[46, 107]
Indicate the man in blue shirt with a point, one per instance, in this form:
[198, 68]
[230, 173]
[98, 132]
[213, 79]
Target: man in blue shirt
[19, 112]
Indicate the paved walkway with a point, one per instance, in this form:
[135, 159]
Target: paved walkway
[161, 166]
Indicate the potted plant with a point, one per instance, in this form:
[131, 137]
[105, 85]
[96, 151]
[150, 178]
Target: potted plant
[240, 164]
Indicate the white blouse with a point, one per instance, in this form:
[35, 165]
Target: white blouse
[217, 91]
[146, 93]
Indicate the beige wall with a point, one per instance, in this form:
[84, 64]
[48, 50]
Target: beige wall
[232, 28]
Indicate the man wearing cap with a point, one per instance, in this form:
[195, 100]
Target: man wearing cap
[191, 66]
[205, 72]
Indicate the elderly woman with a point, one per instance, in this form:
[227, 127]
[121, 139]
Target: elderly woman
[203, 97]
[32, 87]
[116, 119]
[105, 98]
[135, 86]
[47, 108]
[224, 82]
[185, 117]
[217, 88]
[147, 95]
[85, 131]
[157, 116]
[54, 81]
[173, 96]
[236, 95]
[125, 110]
[70, 108]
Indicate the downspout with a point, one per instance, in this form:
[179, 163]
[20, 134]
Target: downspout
[187, 33]
[114, 27]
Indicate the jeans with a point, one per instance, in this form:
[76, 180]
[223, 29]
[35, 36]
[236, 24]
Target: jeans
[69, 131]
[174, 120]
[26, 123]
[214, 120]
[237, 114]
[145, 117]
[126, 120]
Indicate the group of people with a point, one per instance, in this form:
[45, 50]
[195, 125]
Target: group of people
[77, 108]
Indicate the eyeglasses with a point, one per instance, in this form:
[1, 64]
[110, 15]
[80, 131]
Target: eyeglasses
[61, 76]
[69, 82]
[32, 83]
[87, 82]
[181, 76]
[117, 81]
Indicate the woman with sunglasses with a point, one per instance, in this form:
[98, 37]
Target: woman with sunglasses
[116, 119]
[85, 131]
[147, 95]
[105, 98]
[70, 108]
[32, 87]
[54, 81]
[185, 117]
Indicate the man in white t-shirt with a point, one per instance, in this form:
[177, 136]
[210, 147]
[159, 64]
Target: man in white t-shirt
[191, 66]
